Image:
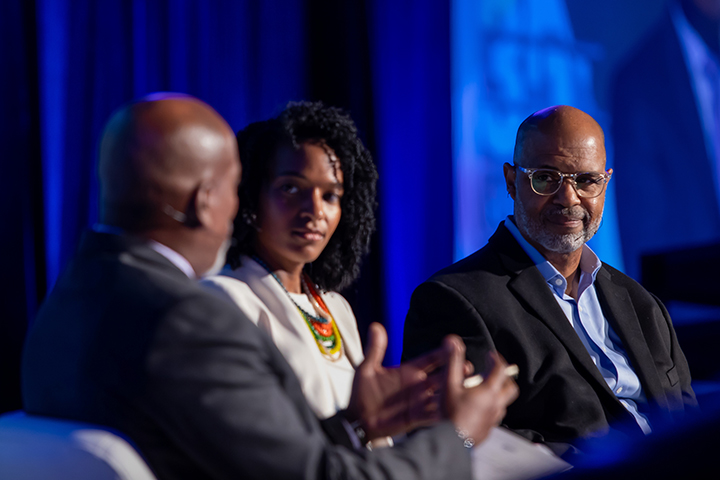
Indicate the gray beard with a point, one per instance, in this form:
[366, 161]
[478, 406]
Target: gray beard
[533, 229]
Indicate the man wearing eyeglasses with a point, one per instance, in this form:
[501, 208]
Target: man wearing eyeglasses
[596, 352]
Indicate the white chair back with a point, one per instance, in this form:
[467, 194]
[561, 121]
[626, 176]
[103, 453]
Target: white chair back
[40, 448]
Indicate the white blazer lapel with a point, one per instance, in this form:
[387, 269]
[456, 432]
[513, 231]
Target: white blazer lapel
[294, 338]
[347, 325]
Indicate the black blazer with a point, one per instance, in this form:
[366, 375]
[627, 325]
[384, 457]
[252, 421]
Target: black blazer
[126, 340]
[497, 299]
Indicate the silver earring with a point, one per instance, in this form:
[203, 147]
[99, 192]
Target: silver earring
[250, 218]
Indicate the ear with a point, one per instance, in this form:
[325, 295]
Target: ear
[199, 206]
[510, 175]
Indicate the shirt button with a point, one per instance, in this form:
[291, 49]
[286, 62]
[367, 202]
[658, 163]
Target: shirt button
[558, 282]
[618, 390]
[579, 308]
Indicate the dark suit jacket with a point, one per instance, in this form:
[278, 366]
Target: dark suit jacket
[497, 299]
[665, 187]
[126, 340]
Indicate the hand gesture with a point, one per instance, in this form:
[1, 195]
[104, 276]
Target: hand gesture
[390, 401]
[475, 411]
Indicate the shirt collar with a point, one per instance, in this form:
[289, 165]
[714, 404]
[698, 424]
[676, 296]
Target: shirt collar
[177, 259]
[589, 262]
[174, 257]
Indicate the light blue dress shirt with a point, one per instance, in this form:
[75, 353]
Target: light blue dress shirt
[587, 319]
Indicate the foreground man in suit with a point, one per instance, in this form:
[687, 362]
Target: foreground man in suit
[595, 350]
[129, 340]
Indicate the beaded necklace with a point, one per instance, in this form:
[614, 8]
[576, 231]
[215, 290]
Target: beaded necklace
[322, 326]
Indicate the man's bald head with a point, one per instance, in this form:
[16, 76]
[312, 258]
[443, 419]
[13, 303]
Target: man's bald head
[554, 140]
[555, 125]
[154, 153]
[169, 171]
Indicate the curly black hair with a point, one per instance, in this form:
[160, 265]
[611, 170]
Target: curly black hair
[339, 263]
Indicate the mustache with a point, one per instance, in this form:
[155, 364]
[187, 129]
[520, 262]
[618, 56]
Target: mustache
[575, 213]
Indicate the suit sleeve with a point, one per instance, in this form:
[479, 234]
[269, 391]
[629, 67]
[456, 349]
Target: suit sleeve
[437, 310]
[222, 391]
[681, 364]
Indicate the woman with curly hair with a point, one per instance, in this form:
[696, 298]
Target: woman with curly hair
[307, 201]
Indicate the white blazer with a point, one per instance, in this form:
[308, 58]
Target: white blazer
[265, 302]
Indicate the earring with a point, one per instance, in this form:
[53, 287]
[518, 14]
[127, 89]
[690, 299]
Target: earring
[250, 219]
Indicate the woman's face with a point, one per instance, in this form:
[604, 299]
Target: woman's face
[299, 208]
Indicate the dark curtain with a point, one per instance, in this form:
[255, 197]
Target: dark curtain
[410, 52]
[339, 74]
[245, 58]
[70, 64]
[21, 192]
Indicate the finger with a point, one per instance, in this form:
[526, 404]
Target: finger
[377, 344]
[439, 357]
[469, 368]
[422, 391]
[510, 391]
[456, 364]
[430, 361]
[490, 360]
[434, 382]
[431, 405]
[410, 398]
[419, 409]
[497, 376]
[425, 411]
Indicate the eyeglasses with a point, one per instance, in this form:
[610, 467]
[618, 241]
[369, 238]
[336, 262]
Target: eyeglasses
[547, 182]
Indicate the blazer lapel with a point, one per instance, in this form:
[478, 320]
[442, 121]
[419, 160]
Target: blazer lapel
[276, 300]
[528, 284]
[348, 331]
[303, 356]
[620, 313]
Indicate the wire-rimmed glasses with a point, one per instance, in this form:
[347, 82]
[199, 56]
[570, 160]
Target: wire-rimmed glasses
[545, 181]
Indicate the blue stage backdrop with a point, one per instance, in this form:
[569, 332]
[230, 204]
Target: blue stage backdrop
[478, 67]
[78, 61]
[509, 59]
[438, 89]
[245, 58]
[411, 80]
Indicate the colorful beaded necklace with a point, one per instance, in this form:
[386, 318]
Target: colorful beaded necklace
[322, 326]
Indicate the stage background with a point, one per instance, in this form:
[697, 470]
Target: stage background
[437, 90]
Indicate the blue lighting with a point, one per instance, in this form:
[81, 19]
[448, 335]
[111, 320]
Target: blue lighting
[509, 59]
